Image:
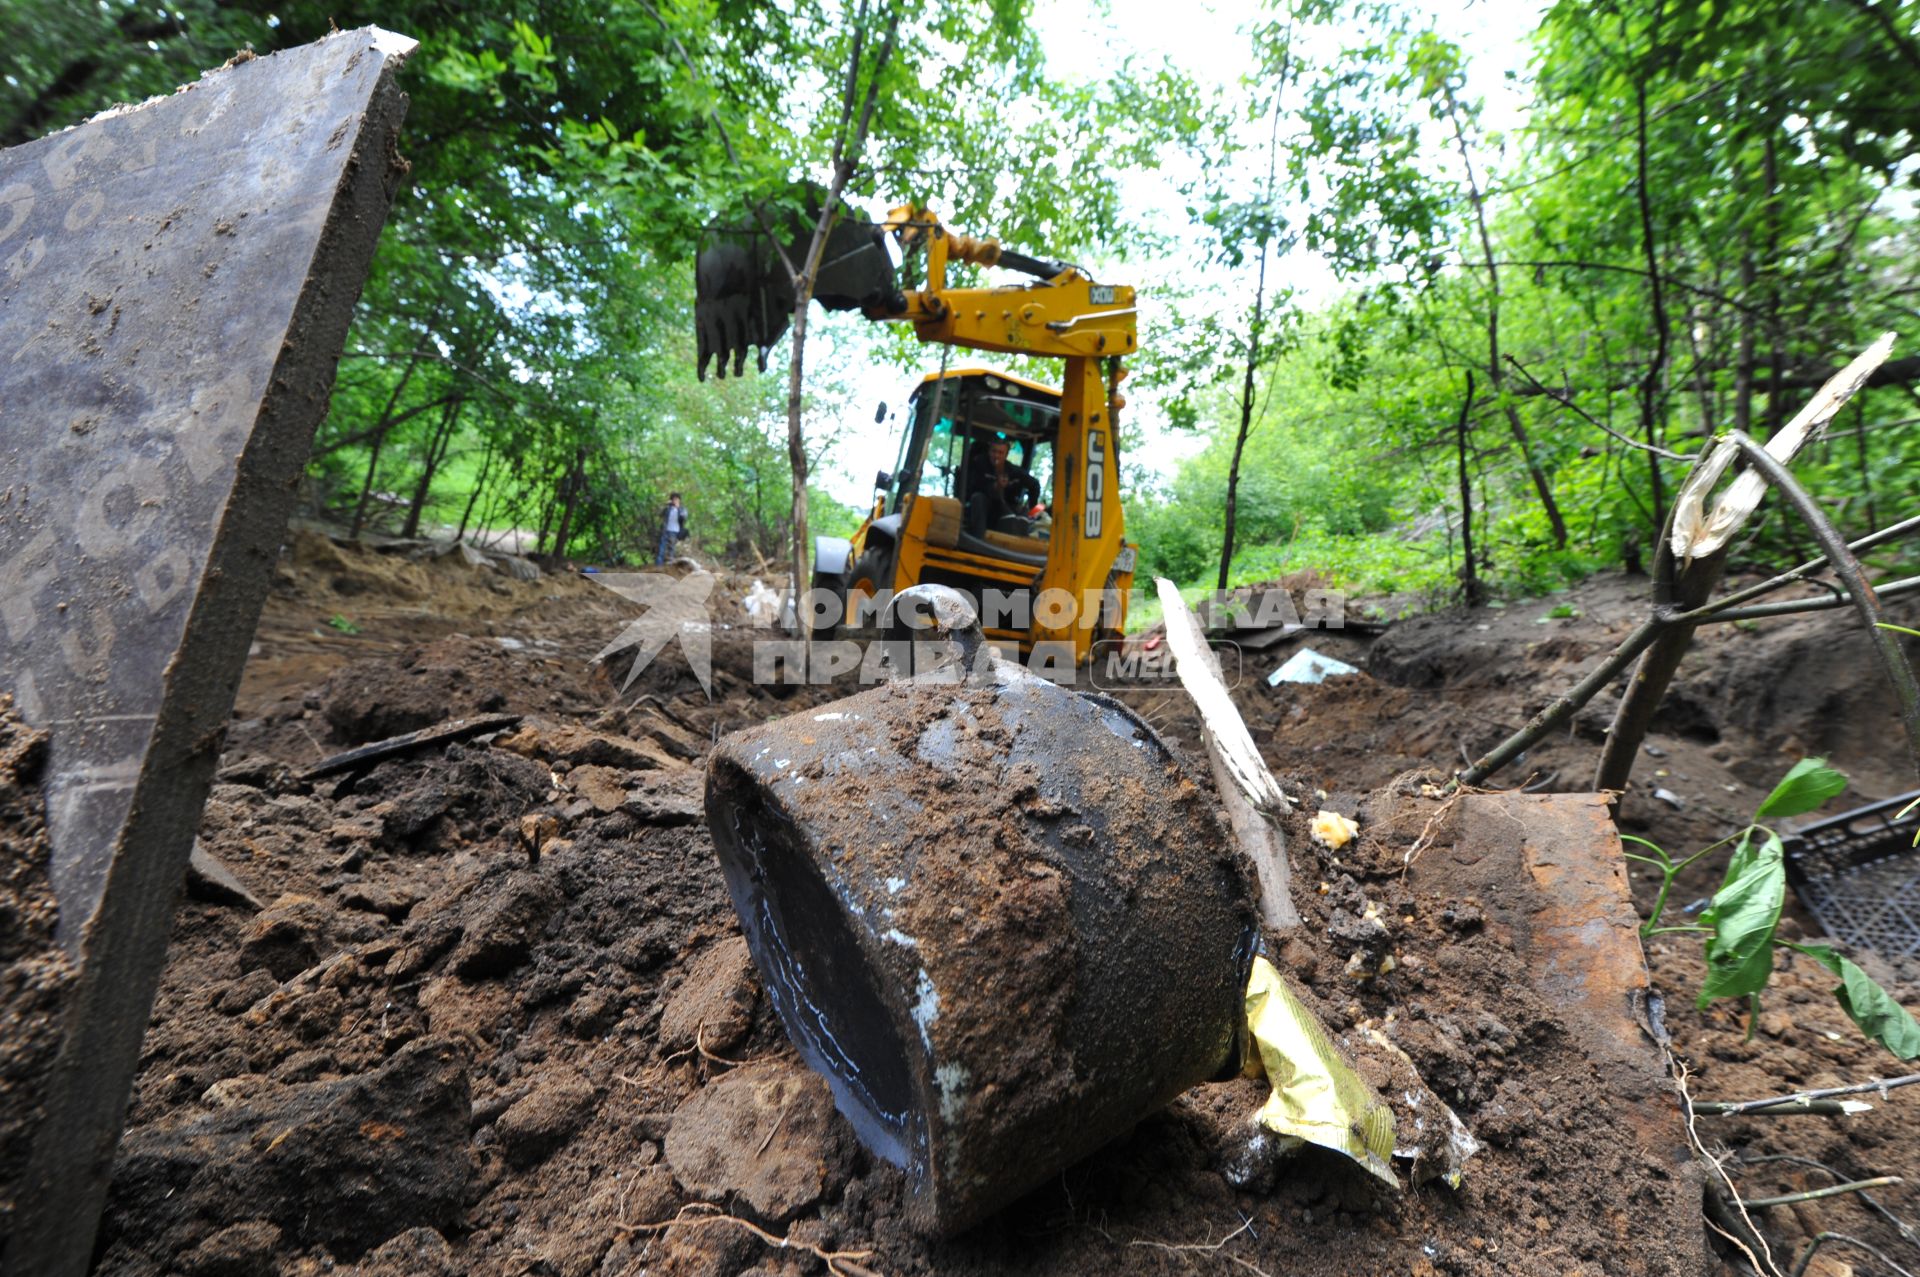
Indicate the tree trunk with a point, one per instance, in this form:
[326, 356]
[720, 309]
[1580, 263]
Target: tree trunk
[436, 453]
[1255, 331]
[1656, 371]
[1860, 457]
[1743, 369]
[1495, 373]
[1469, 575]
[849, 142]
[570, 489]
[1246, 421]
[546, 524]
[379, 441]
[1683, 591]
[479, 486]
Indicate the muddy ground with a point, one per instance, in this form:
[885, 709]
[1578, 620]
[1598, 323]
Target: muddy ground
[423, 1052]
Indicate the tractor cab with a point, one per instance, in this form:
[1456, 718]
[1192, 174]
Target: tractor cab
[954, 425]
[971, 502]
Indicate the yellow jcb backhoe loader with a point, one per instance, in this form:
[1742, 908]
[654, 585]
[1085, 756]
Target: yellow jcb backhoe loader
[1043, 555]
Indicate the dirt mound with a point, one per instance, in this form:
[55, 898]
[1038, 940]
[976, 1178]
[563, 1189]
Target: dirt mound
[626, 1081]
[1789, 687]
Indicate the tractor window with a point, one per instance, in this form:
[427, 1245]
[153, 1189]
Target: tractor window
[936, 473]
[902, 481]
[1018, 416]
[1036, 458]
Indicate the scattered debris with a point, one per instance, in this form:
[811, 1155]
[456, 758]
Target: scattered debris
[1332, 830]
[208, 878]
[1309, 666]
[365, 756]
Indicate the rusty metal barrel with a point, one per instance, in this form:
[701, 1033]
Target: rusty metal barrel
[996, 914]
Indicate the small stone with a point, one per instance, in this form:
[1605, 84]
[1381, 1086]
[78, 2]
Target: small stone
[604, 787]
[286, 938]
[245, 1249]
[409, 815]
[209, 879]
[238, 995]
[1775, 1024]
[547, 1117]
[229, 1091]
[500, 930]
[593, 1012]
[388, 901]
[418, 1252]
[713, 1007]
[693, 1250]
[766, 1132]
[305, 1066]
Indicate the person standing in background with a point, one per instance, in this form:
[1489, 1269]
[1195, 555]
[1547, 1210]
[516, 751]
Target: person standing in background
[673, 528]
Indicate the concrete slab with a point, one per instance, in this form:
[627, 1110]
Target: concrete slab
[176, 283]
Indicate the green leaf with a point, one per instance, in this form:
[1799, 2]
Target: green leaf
[1807, 786]
[1744, 913]
[1868, 1005]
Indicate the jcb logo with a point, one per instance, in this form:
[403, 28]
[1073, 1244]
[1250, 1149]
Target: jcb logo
[1096, 481]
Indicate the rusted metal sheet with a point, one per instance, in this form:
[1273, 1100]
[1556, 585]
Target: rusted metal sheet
[1550, 872]
[176, 283]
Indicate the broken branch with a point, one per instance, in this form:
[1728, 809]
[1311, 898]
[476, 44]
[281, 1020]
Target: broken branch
[1730, 1109]
[1823, 603]
[1831, 1190]
[1847, 567]
[1564, 707]
[1806, 1256]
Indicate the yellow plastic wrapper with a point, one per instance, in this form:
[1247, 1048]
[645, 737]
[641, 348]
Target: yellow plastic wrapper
[1317, 1097]
[1332, 830]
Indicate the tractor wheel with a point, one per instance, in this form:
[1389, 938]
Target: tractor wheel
[872, 572]
[837, 586]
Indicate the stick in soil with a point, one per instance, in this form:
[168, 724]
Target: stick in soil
[1564, 707]
[1867, 1199]
[1710, 611]
[1819, 603]
[1832, 1190]
[1726, 1108]
[837, 1261]
[1821, 1239]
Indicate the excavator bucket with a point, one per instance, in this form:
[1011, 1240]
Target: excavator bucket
[744, 279]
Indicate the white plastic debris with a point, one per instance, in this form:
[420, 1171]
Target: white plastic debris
[762, 604]
[1309, 666]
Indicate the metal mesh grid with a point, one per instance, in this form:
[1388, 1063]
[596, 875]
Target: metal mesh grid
[1859, 875]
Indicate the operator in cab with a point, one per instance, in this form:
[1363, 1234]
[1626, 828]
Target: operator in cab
[996, 488]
